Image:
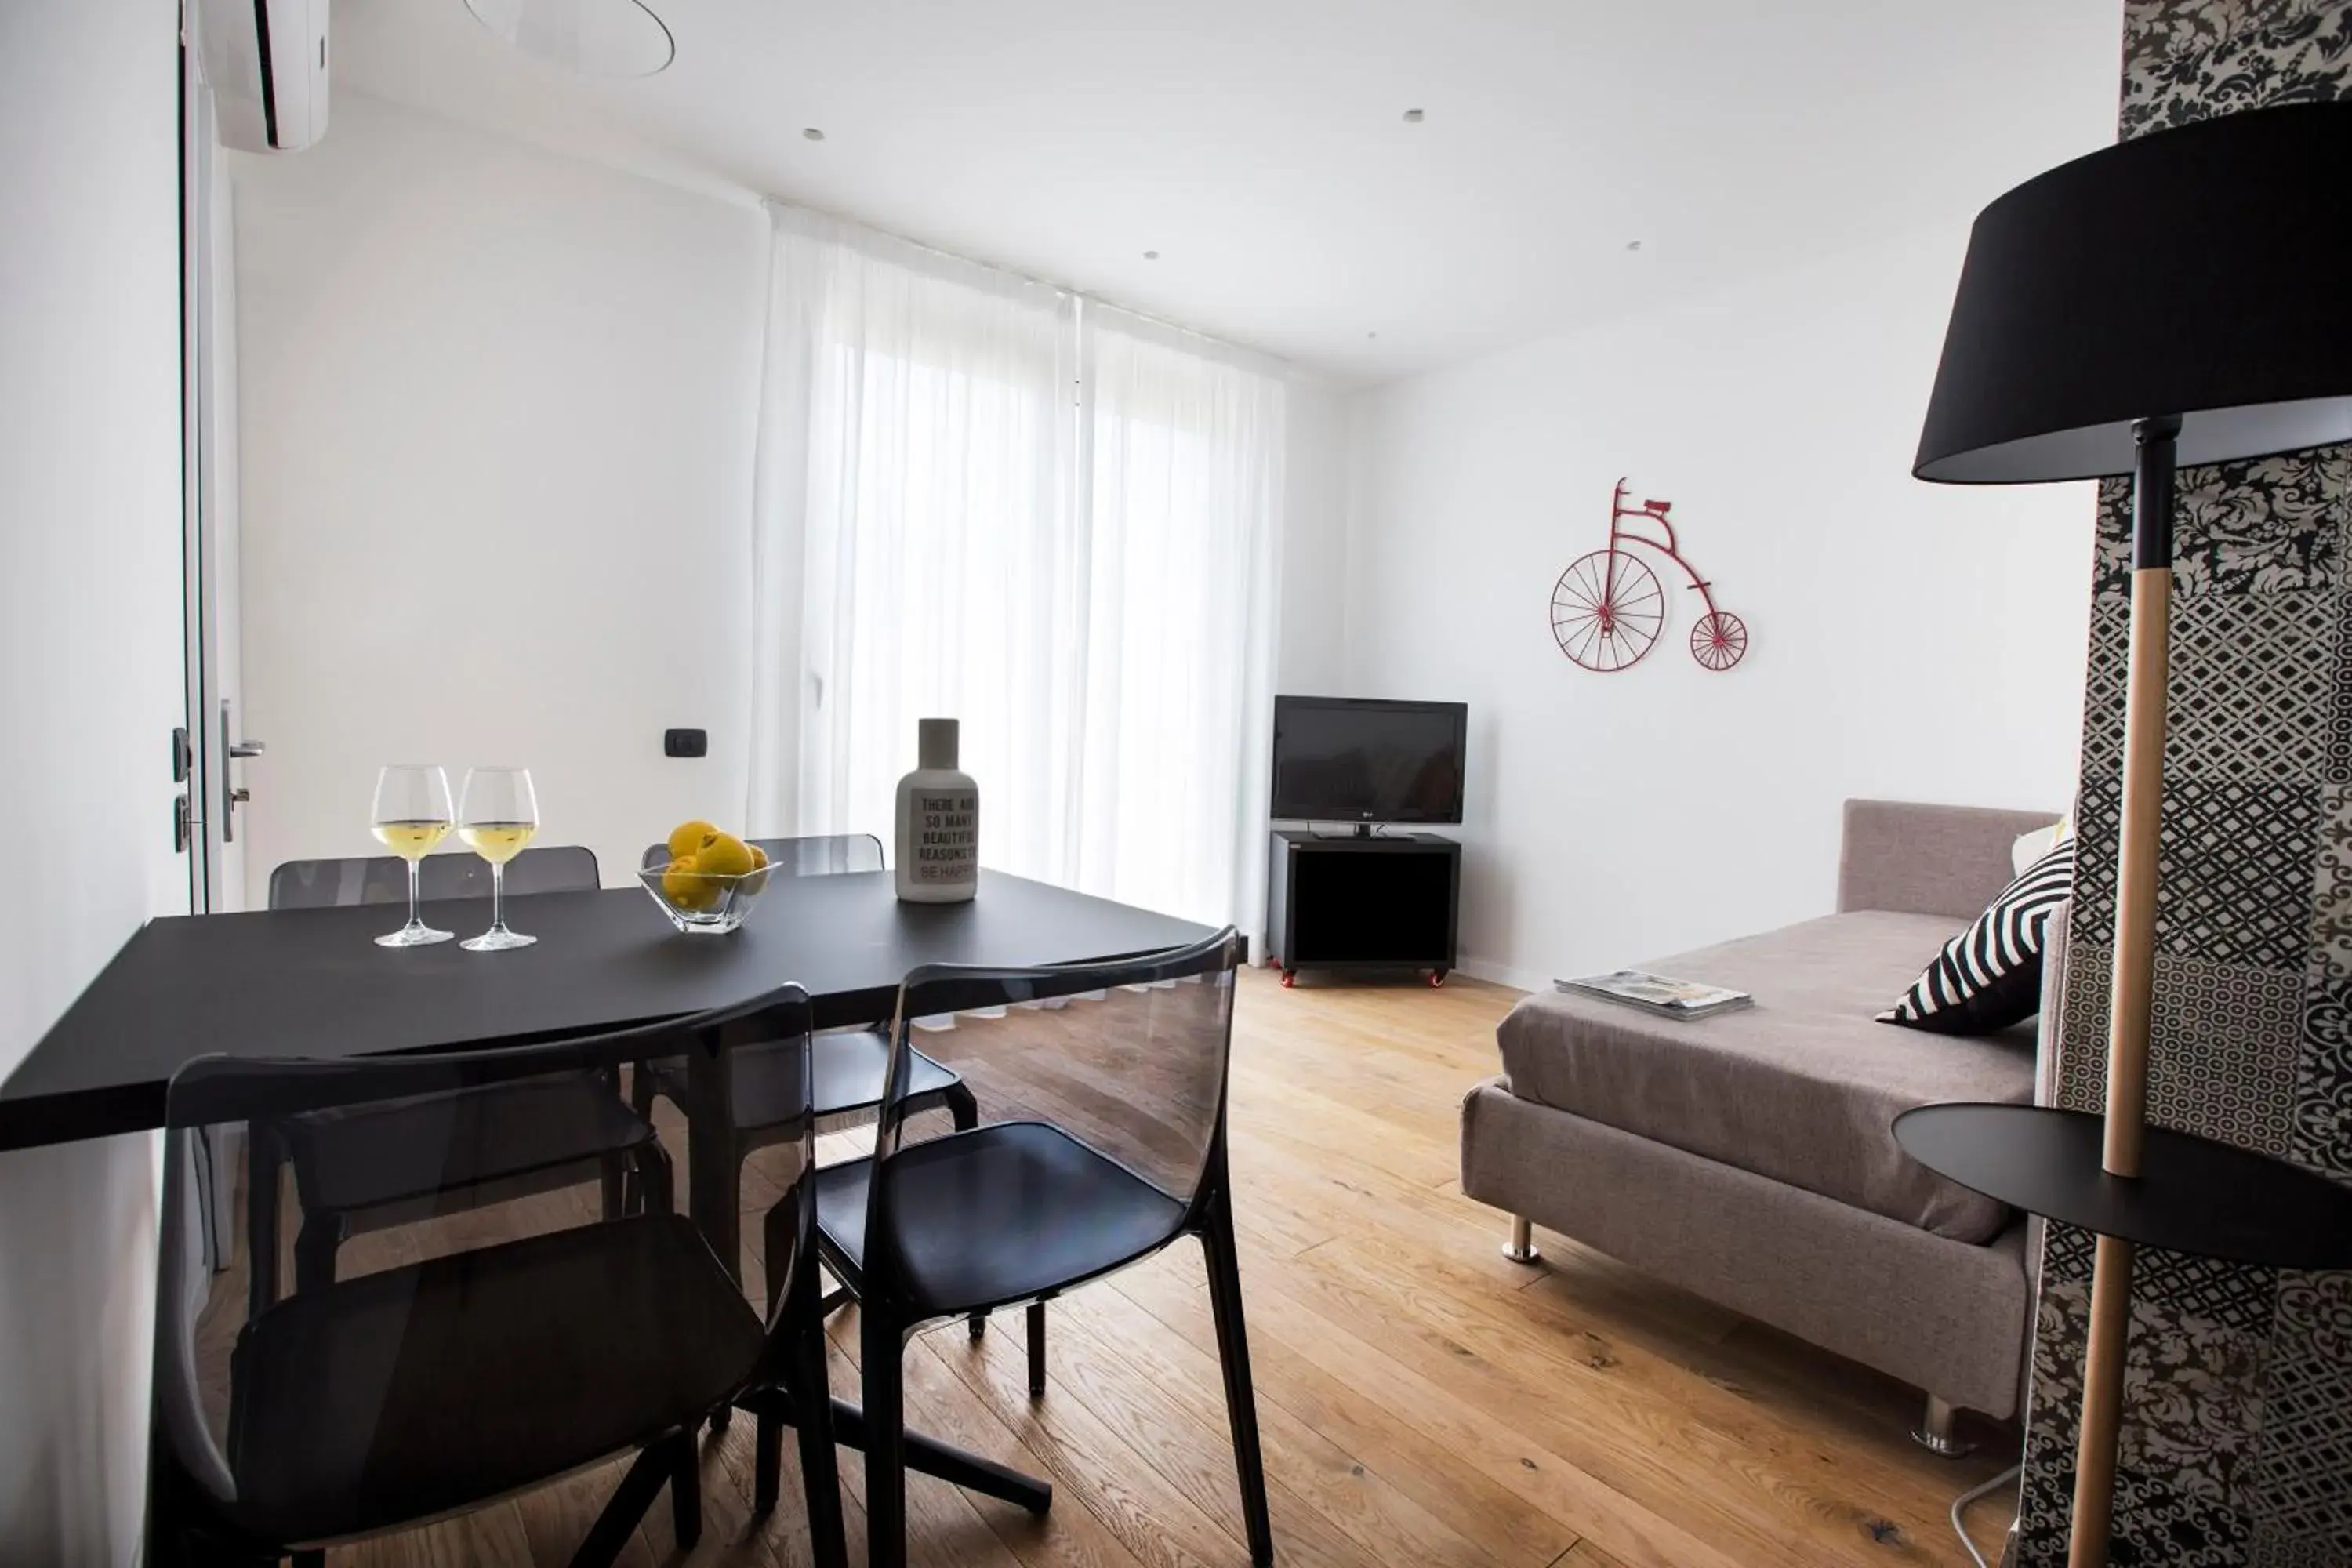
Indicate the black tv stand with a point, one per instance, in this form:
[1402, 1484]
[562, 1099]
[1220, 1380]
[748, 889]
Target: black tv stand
[1362, 900]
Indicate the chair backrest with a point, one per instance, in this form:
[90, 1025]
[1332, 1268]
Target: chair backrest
[1128, 1056]
[820, 855]
[361, 1403]
[384, 879]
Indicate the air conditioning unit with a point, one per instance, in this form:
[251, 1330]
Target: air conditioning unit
[266, 62]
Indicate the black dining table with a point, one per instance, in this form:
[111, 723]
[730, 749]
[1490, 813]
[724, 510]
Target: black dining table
[311, 982]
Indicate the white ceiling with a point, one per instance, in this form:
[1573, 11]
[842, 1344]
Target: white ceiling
[1260, 147]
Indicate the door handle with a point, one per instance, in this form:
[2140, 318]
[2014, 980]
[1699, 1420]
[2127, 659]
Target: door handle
[231, 795]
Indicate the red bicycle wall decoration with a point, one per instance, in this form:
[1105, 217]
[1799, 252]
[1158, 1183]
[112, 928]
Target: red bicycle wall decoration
[1607, 608]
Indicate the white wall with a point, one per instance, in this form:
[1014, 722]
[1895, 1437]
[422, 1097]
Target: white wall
[1909, 640]
[91, 640]
[498, 415]
[1312, 650]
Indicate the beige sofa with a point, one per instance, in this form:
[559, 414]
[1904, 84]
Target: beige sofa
[1748, 1157]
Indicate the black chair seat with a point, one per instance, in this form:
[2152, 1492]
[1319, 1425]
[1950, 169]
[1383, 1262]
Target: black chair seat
[997, 1215]
[364, 1157]
[401, 1394]
[848, 1068]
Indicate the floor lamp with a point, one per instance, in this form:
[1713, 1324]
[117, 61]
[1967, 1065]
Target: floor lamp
[2180, 299]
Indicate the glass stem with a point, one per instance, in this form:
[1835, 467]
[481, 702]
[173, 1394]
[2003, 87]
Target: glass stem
[415, 920]
[497, 895]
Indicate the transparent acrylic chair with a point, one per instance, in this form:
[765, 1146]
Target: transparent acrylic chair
[484, 1345]
[344, 1194]
[849, 1063]
[384, 879]
[1117, 1150]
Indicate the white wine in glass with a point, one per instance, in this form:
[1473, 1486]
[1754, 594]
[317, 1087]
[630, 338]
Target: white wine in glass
[412, 815]
[496, 816]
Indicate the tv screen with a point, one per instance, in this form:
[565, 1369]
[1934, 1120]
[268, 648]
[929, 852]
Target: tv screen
[1339, 759]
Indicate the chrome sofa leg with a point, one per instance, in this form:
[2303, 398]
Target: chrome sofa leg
[1521, 1248]
[1934, 1432]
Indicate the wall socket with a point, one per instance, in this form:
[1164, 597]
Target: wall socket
[686, 744]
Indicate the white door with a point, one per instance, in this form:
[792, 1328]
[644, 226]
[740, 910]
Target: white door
[221, 751]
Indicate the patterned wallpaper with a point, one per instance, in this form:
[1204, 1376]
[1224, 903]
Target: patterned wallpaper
[2237, 1438]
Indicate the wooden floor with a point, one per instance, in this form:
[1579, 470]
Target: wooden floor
[1424, 1401]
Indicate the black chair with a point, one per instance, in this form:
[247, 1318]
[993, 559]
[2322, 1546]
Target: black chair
[384, 879]
[346, 1164]
[1127, 1154]
[480, 1350]
[849, 1063]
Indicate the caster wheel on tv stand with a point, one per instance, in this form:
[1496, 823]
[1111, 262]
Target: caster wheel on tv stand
[1290, 978]
[1437, 976]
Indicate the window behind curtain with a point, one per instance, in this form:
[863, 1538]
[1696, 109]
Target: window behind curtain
[950, 524]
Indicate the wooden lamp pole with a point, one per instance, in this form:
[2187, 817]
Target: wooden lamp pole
[2144, 705]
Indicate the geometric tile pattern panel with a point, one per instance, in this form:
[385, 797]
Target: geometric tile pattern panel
[2236, 863]
[2223, 1041]
[2262, 701]
[2306, 1452]
[2237, 1431]
[2255, 685]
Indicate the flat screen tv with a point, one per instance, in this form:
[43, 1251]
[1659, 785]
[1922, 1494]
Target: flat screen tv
[1343, 759]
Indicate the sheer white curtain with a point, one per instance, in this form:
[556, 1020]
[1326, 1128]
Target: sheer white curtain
[946, 525]
[913, 535]
[1182, 476]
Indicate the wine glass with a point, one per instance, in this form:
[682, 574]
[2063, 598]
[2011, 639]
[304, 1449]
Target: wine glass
[412, 815]
[497, 815]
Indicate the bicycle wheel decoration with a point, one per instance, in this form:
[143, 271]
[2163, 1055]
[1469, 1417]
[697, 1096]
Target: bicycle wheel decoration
[1719, 640]
[1608, 609]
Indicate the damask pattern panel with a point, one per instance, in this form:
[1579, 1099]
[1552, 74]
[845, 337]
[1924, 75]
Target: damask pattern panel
[2320, 1132]
[2158, 1524]
[2262, 525]
[2192, 1393]
[2199, 59]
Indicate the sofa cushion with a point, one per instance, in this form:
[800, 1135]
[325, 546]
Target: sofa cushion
[1803, 1087]
[1989, 975]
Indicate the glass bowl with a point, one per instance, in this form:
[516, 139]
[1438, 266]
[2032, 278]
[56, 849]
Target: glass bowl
[702, 903]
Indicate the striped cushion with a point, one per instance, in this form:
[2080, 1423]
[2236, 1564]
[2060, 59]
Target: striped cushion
[1990, 977]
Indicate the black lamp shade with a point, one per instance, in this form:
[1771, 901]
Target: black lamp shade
[2201, 272]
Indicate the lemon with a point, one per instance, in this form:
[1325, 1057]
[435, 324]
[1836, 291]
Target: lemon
[685, 885]
[757, 881]
[686, 838]
[723, 855]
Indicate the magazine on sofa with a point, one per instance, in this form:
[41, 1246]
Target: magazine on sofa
[1658, 994]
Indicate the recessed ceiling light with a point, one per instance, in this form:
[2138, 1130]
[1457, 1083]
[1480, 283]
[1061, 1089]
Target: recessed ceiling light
[594, 38]
[812, 134]
[1413, 117]
[1633, 245]
[1372, 334]
[1150, 256]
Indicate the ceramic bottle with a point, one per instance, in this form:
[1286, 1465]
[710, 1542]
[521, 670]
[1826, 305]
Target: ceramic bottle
[938, 821]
